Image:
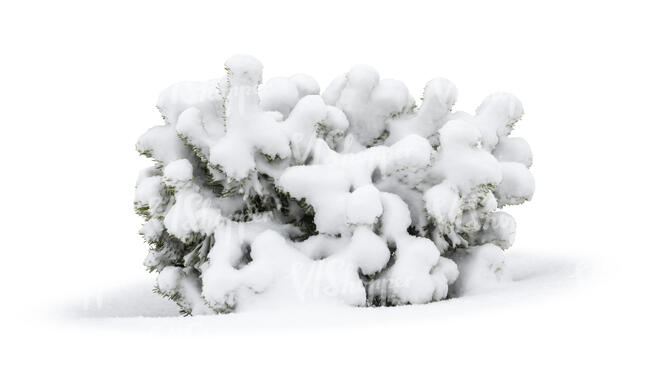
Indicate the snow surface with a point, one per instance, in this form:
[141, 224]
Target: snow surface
[178, 171]
[552, 300]
[525, 274]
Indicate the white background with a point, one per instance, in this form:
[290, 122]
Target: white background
[79, 81]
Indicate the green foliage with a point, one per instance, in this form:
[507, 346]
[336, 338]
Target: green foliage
[142, 210]
[176, 297]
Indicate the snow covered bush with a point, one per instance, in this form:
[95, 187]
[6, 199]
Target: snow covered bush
[358, 195]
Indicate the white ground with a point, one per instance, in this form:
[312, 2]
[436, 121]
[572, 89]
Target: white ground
[554, 313]
[535, 275]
